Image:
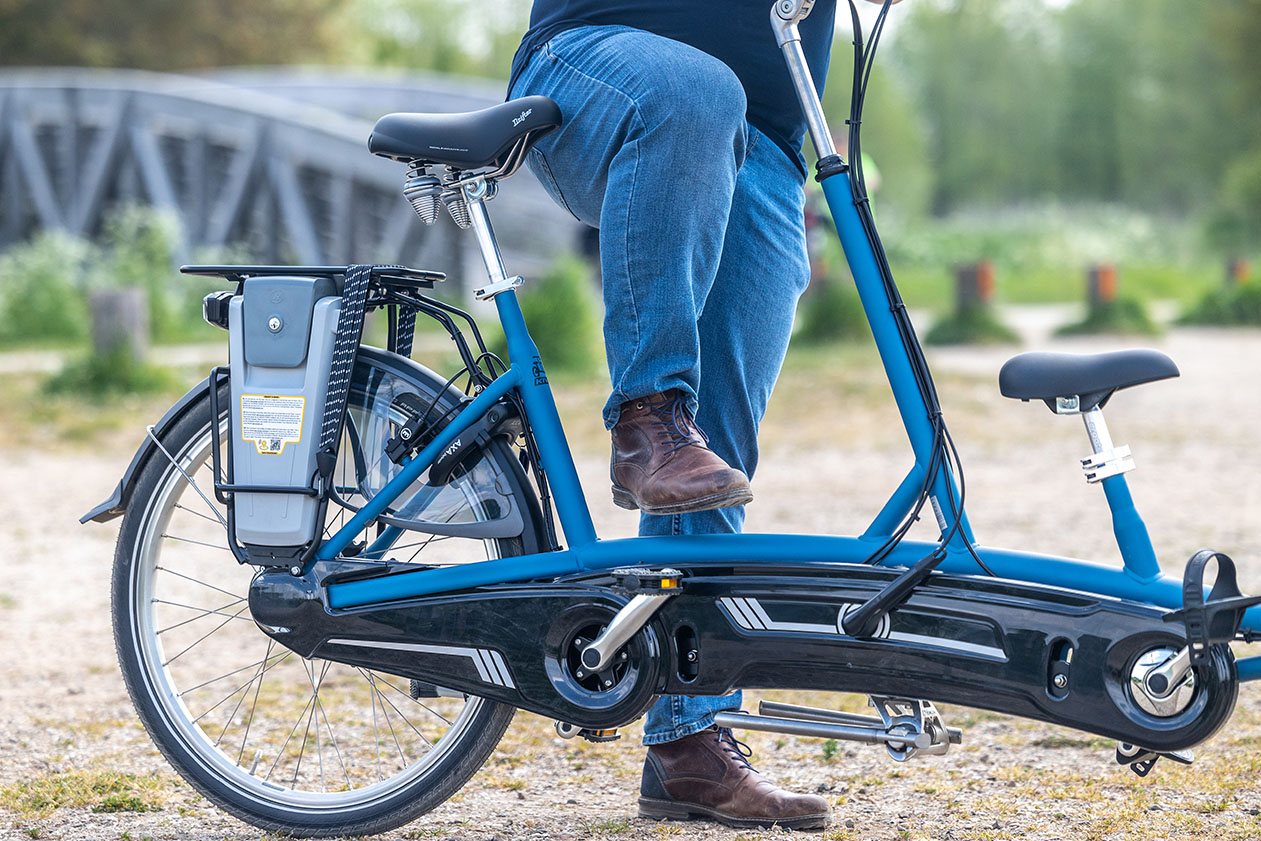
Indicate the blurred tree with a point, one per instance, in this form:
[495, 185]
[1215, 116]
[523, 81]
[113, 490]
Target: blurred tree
[164, 34]
[1131, 101]
[987, 87]
[894, 134]
[469, 37]
[1236, 223]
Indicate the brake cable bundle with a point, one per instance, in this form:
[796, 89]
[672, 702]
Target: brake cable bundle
[944, 458]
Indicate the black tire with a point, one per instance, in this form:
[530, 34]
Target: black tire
[177, 737]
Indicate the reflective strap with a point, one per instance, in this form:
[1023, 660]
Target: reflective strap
[345, 347]
[404, 330]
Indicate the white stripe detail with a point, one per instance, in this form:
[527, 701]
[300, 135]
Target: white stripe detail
[490, 665]
[503, 669]
[749, 614]
[738, 614]
[956, 645]
[759, 612]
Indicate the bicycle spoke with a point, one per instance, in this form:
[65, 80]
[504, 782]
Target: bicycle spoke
[202, 613]
[329, 727]
[280, 754]
[271, 644]
[197, 581]
[376, 733]
[417, 701]
[203, 638]
[237, 708]
[406, 720]
[386, 716]
[195, 542]
[306, 734]
[189, 479]
[196, 513]
[225, 698]
[226, 675]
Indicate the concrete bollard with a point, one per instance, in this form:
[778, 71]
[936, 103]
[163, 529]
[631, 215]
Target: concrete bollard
[1237, 271]
[1101, 285]
[120, 323]
[974, 320]
[974, 286]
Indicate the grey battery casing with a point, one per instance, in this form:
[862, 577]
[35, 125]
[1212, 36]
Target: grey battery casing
[281, 332]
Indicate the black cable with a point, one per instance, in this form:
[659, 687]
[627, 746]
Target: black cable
[944, 459]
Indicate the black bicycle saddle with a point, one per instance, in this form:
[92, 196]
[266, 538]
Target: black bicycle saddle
[470, 140]
[1092, 377]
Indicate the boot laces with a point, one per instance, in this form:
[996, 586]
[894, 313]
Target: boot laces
[673, 418]
[735, 747]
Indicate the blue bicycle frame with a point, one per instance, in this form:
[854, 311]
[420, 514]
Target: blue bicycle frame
[1138, 579]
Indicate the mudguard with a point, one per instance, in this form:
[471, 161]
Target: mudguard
[116, 504]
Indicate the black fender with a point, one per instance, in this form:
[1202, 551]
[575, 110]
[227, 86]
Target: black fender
[116, 504]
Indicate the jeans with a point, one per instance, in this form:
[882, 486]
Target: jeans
[702, 247]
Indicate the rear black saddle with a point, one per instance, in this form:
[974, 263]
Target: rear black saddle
[1090, 378]
[471, 140]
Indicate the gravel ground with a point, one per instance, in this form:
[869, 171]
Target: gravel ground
[832, 451]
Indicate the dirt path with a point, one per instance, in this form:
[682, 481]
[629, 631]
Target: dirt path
[832, 451]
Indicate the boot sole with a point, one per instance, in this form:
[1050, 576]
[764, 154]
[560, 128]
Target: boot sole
[622, 498]
[670, 810]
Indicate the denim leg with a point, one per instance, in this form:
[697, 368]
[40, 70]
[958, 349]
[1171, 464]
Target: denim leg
[701, 241]
[744, 332]
[652, 141]
[747, 321]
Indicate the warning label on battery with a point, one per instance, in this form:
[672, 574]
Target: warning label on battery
[271, 421]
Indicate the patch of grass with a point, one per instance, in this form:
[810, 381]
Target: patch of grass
[98, 791]
[610, 826]
[971, 326]
[1236, 306]
[7, 602]
[100, 375]
[832, 313]
[829, 750]
[1122, 315]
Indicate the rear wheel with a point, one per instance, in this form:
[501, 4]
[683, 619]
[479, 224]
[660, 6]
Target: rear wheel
[297, 746]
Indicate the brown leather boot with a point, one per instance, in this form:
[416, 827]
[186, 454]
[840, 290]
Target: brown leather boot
[662, 464]
[707, 775]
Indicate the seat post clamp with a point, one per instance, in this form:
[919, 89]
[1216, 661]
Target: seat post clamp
[490, 290]
[1111, 462]
[1107, 460]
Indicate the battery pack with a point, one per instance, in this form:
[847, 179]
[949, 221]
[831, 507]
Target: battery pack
[281, 335]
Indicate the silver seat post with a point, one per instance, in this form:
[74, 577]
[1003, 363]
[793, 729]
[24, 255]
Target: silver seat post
[475, 193]
[785, 15]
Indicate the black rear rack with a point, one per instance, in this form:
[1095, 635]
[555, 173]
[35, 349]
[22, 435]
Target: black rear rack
[388, 274]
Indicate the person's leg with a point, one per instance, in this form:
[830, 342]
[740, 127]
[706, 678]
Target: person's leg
[747, 320]
[652, 139]
[744, 332]
[649, 153]
[651, 143]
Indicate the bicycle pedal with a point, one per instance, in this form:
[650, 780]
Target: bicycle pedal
[644, 580]
[1141, 760]
[569, 731]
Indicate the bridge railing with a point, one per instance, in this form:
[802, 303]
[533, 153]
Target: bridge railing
[282, 179]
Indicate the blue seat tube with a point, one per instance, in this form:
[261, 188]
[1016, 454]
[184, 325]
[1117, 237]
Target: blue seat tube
[540, 408]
